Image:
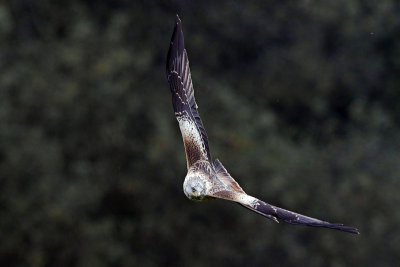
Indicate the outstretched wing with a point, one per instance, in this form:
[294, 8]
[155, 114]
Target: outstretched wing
[235, 193]
[275, 213]
[183, 101]
[291, 217]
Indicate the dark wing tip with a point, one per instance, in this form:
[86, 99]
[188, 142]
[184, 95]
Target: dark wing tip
[177, 19]
[177, 45]
[299, 219]
[178, 26]
[336, 226]
[348, 229]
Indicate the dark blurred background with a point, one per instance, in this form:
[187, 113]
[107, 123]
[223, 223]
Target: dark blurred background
[300, 100]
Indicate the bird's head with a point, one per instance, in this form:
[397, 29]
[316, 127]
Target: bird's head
[194, 188]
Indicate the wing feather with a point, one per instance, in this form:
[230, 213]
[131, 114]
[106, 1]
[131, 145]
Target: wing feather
[225, 177]
[274, 213]
[291, 217]
[183, 100]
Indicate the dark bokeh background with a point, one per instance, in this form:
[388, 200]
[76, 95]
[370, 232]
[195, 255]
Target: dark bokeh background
[300, 100]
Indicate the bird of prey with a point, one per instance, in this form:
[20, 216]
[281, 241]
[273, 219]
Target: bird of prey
[207, 179]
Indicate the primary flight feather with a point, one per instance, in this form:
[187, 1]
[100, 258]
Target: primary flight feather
[205, 178]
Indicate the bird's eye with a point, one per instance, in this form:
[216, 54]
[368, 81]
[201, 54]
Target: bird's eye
[193, 190]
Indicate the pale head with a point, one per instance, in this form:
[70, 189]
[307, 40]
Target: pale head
[194, 187]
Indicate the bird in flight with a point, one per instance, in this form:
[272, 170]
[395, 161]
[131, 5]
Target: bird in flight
[207, 179]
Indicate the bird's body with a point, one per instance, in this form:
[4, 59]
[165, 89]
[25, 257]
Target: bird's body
[207, 179]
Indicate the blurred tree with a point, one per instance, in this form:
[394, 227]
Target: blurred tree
[299, 99]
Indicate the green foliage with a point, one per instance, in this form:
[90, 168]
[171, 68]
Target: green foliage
[299, 99]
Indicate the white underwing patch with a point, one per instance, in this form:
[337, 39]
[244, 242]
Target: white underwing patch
[247, 200]
[191, 133]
